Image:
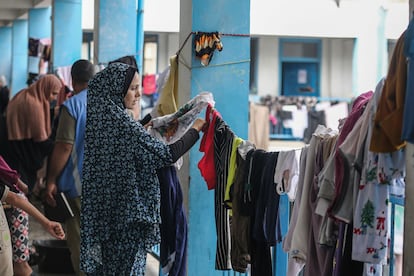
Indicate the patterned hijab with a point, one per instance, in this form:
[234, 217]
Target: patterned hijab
[120, 189]
[28, 113]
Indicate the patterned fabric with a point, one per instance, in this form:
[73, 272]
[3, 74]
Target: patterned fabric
[19, 229]
[223, 140]
[170, 128]
[6, 267]
[371, 217]
[120, 189]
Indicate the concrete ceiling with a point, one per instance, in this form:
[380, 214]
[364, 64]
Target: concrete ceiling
[11, 10]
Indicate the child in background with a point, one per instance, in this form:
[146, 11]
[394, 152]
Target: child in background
[10, 183]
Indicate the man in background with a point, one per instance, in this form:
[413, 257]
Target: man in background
[65, 163]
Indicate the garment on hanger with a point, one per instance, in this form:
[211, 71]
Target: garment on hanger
[260, 180]
[223, 140]
[287, 173]
[232, 171]
[206, 165]
[358, 107]
[168, 98]
[301, 234]
[370, 217]
[173, 246]
[258, 130]
[294, 269]
[240, 224]
[386, 135]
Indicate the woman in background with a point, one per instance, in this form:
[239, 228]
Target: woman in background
[29, 127]
[10, 183]
[28, 143]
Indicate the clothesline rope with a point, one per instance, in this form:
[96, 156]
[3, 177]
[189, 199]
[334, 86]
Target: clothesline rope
[212, 65]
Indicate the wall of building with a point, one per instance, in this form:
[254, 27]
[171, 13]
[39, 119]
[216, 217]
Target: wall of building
[271, 21]
[167, 46]
[336, 68]
[286, 20]
[322, 18]
[267, 71]
[162, 15]
[289, 17]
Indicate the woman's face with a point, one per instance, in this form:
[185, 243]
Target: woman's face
[133, 95]
[53, 96]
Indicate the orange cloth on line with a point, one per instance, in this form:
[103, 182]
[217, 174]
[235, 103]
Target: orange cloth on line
[28, 113]
[387, 130]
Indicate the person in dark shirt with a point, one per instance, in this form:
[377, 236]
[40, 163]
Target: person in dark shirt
[4, 94]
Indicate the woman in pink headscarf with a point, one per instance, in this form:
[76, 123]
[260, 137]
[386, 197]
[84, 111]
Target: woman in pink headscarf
[28, 121]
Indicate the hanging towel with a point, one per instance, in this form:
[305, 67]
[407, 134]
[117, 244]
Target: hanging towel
[259, 126]
[167, 101]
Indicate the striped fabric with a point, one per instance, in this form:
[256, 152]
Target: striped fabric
[223, 140]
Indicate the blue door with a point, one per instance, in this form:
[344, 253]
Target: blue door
[300, 78]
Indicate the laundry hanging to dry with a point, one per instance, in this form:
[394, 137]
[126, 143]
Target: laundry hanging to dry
[205, 44]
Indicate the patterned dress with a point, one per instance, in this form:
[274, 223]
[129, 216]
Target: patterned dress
[120, 190]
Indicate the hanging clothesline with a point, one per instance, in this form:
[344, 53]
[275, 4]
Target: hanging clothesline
[320, 153]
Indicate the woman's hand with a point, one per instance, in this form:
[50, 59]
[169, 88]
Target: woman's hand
[22, 186]
[199, 124]
[55, 229]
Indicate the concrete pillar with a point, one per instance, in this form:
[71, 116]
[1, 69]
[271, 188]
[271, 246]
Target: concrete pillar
[370, 50]
[140, 35]
[66, 32]
[19, 56]
[115, 29]
[6, 52]
[40, 27]
[227, 77]
[408, 253]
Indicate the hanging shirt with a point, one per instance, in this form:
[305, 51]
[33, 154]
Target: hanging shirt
[206, 165]
[223, 140]
[232, 170]
[386, 133]
[371, 219]
[173, 246]
[168, 98]
[287, 173]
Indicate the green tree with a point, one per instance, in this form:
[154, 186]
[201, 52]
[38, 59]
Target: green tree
[367, 216]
